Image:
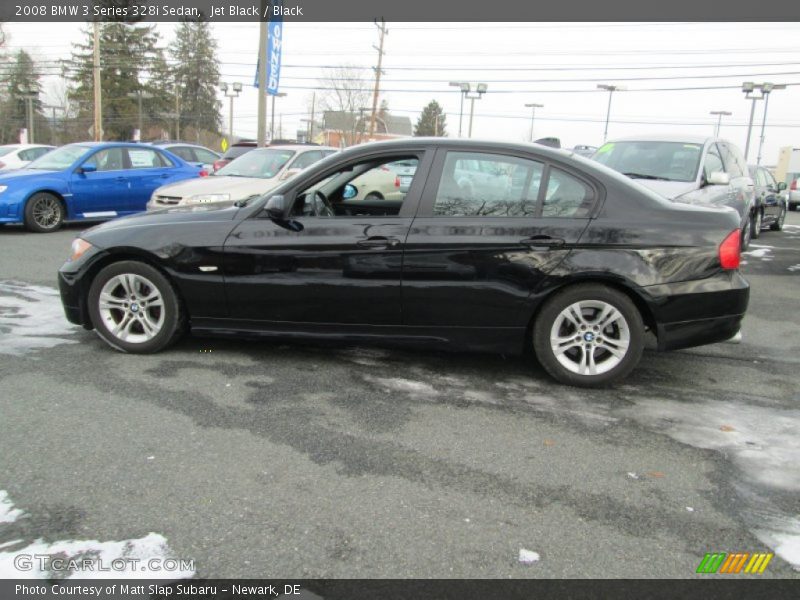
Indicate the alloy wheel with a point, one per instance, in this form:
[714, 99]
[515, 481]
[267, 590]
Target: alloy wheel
[590, 337]
[47, 212]
[131, 308]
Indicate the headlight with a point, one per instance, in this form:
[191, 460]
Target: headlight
[204, 198]
[79, 248]
[3, 188]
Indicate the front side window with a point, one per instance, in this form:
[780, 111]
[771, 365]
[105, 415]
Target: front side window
[713, 163]
[260, 163]
[110, 159]
[487, 185]
[664, 161]
[734, 162]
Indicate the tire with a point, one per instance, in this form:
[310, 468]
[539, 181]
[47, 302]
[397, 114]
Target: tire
[44, 213]
[778, 224]
[747, 233]
[758, 218]
[125, 318]
[372, 197]
[595, 302]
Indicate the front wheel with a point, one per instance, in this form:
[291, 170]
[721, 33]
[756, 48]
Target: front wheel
[589, 335]
[778, 224]
[44, 213]
[134, 308]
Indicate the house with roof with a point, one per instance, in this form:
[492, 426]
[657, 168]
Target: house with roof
[342, 128]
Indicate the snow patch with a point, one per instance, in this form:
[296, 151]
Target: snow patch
[762, 253]
[528, 557]
[8, 514]
[408, 386]
[31, 318]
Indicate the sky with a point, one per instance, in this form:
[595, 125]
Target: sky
[559, 65]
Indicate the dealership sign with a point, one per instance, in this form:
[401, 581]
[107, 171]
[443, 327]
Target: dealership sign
[274, 48]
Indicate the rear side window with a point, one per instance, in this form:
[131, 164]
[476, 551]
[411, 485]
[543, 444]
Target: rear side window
[567, 196]
[488, 185]
[184, 152]
[145, 158]
[204, 156]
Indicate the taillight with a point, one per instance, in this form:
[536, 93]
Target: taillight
[396, 181]
[730, 250]
[203, 173]
[793, 187]
[218, 164]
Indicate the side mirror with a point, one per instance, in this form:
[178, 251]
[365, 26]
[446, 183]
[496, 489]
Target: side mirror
[289, 173]
[276, 207]
[781, 186]
[719, 178]
[350, 191]
[87, 168]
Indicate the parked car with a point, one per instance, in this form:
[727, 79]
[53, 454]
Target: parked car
[16, 156]
[234, 151]
[584, 150]
[253, 173]
[794, 192]
[191, 153]
[92, 180]
[690, 169]
[771, 201]
[390, 182]
[577, 266]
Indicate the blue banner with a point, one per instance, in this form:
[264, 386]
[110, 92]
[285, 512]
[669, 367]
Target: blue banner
[274, 48]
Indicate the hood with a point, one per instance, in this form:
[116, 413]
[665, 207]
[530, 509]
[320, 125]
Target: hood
[238, 187]
[167, 216]
[668, 189]
[22, 174]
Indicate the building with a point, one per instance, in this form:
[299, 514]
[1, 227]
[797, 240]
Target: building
[340, 128]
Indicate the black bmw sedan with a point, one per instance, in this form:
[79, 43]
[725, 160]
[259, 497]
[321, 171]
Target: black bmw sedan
[493, 247]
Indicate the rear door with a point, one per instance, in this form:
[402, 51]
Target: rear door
[475, 254]
[329, 269]
[149, 169]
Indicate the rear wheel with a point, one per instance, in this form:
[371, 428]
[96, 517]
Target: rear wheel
[589, 335]
[778, 224]
[747, 233]
[134, 308]
[758, 217]
[44, 213]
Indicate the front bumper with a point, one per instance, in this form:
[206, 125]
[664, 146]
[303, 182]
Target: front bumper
[695, 313]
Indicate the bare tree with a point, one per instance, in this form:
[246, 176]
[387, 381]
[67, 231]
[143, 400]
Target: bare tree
[345, 97]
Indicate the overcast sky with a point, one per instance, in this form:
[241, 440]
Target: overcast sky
[521, 63]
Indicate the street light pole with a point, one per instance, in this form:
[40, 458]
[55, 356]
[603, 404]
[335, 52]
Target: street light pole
[610, 89]
[533, 108]
[464, 88]
[139, 95]
[766, 89]
[272, 124]
[480, 90]
[720, 114]
[231, 92]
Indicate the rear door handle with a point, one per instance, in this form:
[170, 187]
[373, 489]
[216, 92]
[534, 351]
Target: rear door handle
[378, 242]
[542, 240]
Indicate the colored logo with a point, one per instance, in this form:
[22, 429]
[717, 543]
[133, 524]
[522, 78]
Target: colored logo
[735, 562]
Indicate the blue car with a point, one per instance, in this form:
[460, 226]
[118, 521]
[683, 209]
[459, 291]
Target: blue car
[88, 181]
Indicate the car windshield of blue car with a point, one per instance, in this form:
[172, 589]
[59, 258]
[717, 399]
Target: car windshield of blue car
[59, 159]
[663, 161]
[263, 164]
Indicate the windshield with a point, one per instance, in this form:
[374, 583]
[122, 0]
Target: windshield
[263, 164]
[6, 149]
[665, 161]
[60, 158]
[237, 151]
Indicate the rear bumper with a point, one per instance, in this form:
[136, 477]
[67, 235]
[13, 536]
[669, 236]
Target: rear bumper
[695, 313]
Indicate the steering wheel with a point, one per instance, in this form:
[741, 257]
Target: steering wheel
[320, 206]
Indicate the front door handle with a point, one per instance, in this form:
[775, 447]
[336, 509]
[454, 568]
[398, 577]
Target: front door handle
[542, 240]
[378, 242]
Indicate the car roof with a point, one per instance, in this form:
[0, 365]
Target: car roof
[667, 137]
[297, 147]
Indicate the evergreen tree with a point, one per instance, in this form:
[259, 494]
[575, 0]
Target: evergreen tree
[195, 75]
[432, 121]
[127, 55]
[21, 81]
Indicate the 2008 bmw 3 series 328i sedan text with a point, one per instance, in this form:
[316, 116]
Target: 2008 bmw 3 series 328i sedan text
[493, 247]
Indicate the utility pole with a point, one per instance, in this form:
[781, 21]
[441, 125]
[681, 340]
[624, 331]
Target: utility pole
[533, 106]
[313, 106]
[262, 77]
[378, 71]
[177, 111]
[719, 114]
[98, 95]
[272, 124]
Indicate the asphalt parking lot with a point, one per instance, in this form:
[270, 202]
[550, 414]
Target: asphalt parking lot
[275, 460]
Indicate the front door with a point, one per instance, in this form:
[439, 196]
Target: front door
[476, 252]
[337, 261]
[105, 191]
